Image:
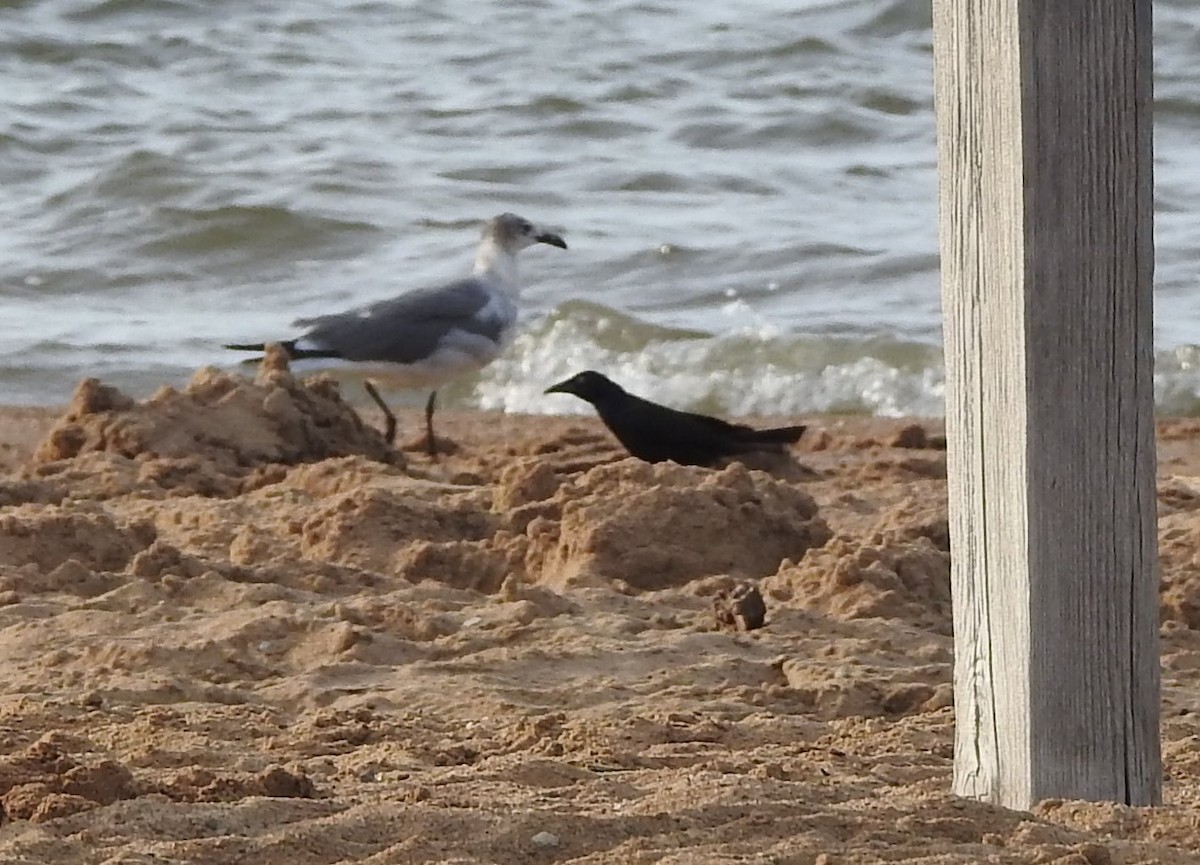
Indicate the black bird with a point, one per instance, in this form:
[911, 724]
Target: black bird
[655, 433]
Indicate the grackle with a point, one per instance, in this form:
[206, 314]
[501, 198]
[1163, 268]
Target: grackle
[655, 433]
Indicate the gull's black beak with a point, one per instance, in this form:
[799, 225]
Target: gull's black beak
[552, 239]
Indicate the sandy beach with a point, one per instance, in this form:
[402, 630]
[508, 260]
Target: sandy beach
[237, 627]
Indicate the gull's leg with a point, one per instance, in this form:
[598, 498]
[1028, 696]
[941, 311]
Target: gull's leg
[389, 418]
[430, 442]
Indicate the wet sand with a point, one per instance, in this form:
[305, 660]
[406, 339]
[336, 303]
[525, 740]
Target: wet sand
[237, 627]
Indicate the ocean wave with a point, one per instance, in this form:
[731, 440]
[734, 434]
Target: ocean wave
[739, 373]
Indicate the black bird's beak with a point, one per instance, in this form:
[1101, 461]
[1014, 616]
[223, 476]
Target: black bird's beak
[552, 239]
[561, 387]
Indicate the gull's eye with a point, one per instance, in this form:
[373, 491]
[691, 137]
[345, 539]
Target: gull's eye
[526, 227]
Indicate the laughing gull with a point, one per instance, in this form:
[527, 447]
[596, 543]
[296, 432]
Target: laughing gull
[655, 433]
[427, 337]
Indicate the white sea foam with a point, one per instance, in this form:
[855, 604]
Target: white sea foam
[740, 373]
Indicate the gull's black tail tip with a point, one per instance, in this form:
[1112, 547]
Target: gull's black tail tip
[784, 435]
[289, 345]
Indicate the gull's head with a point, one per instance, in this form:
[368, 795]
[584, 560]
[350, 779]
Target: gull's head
[588, 385]
[513, 233]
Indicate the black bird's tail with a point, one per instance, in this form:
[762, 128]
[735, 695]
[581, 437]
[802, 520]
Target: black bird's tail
[784, 435]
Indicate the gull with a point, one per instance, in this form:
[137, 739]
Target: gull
[655, 433]
[429, 336]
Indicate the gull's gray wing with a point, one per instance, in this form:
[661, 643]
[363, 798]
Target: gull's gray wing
[409, 328]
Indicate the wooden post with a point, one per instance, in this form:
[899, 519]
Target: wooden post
[1045, 149]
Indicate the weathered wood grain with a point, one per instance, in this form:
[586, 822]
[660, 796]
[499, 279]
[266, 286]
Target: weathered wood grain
[1046, 189]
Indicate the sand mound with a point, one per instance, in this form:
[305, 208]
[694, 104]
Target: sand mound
[891, 577]
[627, 524]
[654, 526]
[1178, 546]
[218, 424]
[45, 538]
[44, 783]
[56, 777]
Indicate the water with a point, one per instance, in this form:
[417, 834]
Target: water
[749, 190]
